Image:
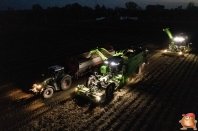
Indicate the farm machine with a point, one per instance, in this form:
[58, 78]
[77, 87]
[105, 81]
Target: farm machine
[114, 73]
[55, 78]
[178, 45]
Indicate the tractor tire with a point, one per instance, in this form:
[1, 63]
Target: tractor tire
[66, 82]
[48, 92]
[89, 81]
[109, 91]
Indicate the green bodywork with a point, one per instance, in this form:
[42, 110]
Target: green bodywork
[167, 31]
[172, 44]
[118, 75]
[105, 55]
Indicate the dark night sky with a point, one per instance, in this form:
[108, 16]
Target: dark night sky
[27, 4]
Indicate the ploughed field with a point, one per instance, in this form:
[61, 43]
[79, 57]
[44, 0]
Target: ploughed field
[154, 100]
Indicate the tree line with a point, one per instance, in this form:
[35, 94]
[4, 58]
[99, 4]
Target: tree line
[77, 12]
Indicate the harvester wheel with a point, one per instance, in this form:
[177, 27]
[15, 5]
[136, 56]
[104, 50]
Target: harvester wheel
[137, 70]
[48, 92]
[66, 83]
[90, 80]
[109, 91]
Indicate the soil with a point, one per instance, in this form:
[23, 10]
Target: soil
[153, 100]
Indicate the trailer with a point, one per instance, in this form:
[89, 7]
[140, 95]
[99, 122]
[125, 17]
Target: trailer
[87, 62]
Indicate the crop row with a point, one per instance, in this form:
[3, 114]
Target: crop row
[139, 106]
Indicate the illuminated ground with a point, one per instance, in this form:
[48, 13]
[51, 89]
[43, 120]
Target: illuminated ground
[155, 100]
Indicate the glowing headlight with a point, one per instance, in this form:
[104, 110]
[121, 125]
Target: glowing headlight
[165, 51]
[98, 98]
[106, 62]
[113, 63]
[179, 39]
[180, 53]
[37, 86]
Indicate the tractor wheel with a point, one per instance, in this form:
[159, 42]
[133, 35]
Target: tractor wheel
[48, 92]
[109, 91]
[66, 83]
[89, 81]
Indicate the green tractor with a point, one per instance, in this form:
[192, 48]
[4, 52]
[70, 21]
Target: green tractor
[53, 80]
[179, 44]
[114, 74]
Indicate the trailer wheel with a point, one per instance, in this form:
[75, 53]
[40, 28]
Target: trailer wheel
[109, 91]
[137, 70]
[48, 92]
[66, 83]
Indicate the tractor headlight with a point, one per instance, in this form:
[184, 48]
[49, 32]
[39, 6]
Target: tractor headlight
[114, 64]
[180, 53]
[106, 62]
[98, 98]
[37, 86]
[165, 51]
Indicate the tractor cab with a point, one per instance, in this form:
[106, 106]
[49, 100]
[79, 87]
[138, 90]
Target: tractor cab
[55, 71]
[113, 66]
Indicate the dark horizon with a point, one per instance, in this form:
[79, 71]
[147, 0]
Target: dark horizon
[24, 5]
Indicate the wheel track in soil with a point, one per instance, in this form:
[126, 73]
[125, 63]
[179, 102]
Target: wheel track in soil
[101, 115]
[26, 105]
[136, 120]
[169, 74]
[50, 104]
[12, 113]
[89, 122]
[158, 110]
[17, 119]
[122, 103]
[16, 97]
[183, 87]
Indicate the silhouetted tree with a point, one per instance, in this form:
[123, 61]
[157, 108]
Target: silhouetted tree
[97, 7]
[179, 7]
[37, 7]
[98, 10]
[131, 6]
[190, 6]
[38, 13]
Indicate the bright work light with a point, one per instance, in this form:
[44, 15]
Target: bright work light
[178, 39]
